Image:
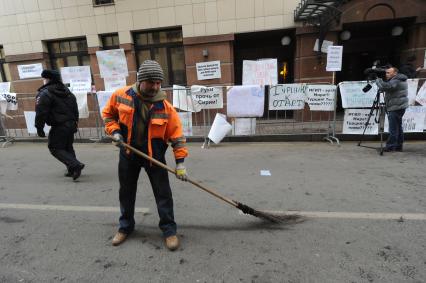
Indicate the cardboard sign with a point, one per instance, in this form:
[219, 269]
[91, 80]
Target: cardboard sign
[208, 70]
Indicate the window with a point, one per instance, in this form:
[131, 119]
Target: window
[67, 53]
[102, 2]
[110, 41]
[4, 67]
[166, 48]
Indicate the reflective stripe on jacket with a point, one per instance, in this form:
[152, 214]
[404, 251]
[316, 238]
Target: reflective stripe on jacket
[163, 122]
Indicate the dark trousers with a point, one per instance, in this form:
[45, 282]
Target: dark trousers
[60, 143]
[128, 173]
[396, 134]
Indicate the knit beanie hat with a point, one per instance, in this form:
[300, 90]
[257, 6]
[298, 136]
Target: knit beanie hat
[150, 71]
[52, 75]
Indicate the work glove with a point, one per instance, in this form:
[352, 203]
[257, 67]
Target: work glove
[181, 172]
[117, 139]
[40, 133]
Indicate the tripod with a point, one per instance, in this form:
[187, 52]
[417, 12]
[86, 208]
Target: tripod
[380, 110]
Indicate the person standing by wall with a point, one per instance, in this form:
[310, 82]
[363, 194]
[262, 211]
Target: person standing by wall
[396, 100]
[141, 116]
[57, 107]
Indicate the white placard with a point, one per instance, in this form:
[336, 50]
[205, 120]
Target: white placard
[355, 119]
[413, 84]
[112, 63]
[208, 70]
[80, 86]
[30, 122]
[83, 109]
[186, 120]
[412, 121]
[353, 96]
[334, 58]
[421, 95]
[244, 126]
[321, 97]
[220, 128]
[287, 97]
[103, 97]
[324, 46]
[260, 72]
[114, 83]
[207, 97]
[5, 87]
[3, 105]
[182, 99]
[11, 99]
[30, 71]
[245, 101]
[75, 73]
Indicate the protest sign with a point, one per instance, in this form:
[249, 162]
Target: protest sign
[30, 71]
[78, 86]
[321, 97]
[412, 90]
[244, 126]
[114, 83]
[287, 97]
[207, 97]
[103, 97]
[11, 99]
[182, 99]
[75, 73]
[245, 101]
[412, 121]
[112, 63]
[186, 120]
[4, 87]
[83, 109]
[324, 46]
[30, 122]
[260, 72]
[421, 95]
[353, 96]
[208, 70]
[334, 58]
[355, 120]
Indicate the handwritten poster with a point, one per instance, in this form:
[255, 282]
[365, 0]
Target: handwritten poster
[287, 97]
[75, 73]
[186, 120]
[412, 121]
[208, 70]
[260, 72]
[30, 71]
[207, 97]
[355, 121]
[321, 97]
[353, 96]
[112, 63]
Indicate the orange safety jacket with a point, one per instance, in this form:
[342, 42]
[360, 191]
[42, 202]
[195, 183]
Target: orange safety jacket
[163, 124]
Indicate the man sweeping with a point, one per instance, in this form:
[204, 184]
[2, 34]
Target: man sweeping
[141, 116]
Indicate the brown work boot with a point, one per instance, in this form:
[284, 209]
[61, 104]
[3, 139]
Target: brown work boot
[172, 242]
[119, 238]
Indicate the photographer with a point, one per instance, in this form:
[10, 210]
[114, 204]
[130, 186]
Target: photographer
[396, 100]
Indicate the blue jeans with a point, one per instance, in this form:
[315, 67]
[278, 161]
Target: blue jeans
[128, 173]
[396, 134]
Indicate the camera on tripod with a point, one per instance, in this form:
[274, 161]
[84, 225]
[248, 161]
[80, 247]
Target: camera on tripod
[373, 73]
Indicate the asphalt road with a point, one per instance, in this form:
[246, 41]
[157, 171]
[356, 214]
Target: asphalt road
[364, 214]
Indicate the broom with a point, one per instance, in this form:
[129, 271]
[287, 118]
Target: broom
[273, 218]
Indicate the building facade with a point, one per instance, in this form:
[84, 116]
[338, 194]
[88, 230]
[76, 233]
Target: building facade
[181, 33]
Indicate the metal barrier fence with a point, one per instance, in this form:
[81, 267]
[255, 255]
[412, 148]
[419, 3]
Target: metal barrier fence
[273, 122]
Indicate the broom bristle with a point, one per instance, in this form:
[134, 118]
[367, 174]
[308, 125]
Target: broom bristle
[271, 217]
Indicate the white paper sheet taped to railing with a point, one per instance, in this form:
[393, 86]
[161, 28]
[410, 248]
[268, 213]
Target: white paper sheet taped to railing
[103, 97]
[261, 72]
[287, 97]
[353, 96]
[355, 120]
[245, 101]
[421, 95]
[11, 99]
[3, 105]
[413, 84]
[244, 126]
[83, 109]
[30, 122]
[321, 97]
[207, 97]
[186, 120]
[220, 128]
[182, 99]
[413, 120]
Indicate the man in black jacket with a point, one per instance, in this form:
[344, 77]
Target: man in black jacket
[57, 107]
